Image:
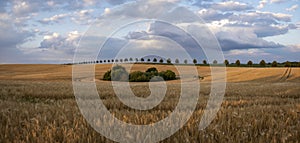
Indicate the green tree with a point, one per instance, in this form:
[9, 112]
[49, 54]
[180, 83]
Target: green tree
[117, 73]
[226, 62]
[298, 64]
[185, 61]
[215, 62]
[154, 60]
[152, 70]
[238, 63]
[195, 61]
[130, 59]
[148, 60]
[167, 75]
[262, 63]
[161, 61]
[250, 63]
[169, 61]
[287, 64]
[177, 61]
[142, 60]
[138, 76]
[136, 59]
[274, 64]
[204, 62]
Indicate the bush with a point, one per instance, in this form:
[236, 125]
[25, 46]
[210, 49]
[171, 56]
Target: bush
[153, 69]
[107, 75]
[138, 76]
[167, 75]
[119, 73]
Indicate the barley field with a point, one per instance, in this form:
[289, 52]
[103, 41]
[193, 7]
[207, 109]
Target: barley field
[37, 104]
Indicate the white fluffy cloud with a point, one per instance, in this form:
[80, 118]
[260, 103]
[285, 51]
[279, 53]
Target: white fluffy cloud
[231, 6]
[293, 8]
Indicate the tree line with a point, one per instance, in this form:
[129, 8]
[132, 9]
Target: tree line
[237, 63]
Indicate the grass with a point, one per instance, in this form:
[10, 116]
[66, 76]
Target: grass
[38, 108]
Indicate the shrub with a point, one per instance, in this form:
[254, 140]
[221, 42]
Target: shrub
[153, 69]
[138, 76]
[118, 73]
[167, 75]
[107, 75]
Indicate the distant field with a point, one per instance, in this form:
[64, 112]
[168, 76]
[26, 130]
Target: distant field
[260, 105]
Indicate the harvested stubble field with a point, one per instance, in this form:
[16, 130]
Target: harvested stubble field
[260, 105]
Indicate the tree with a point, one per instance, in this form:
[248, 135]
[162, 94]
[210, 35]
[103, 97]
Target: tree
[117, 73]
[238, 63]
[161, 61]
[215, 62]
[136, 59]
[152, 70]
[195, 61]
[142, 60]
[298, 64]
[177, 61]
[117, 60]
[112, 60]
[130, 59]
[204, 62]
[104, 61]
[148, 60]
[185, 61]
[126, 60]
[274, 64]
[287, 64]
[121, 60]
[226, 62]
[250, 63]
[108, 61]
[100, 61]
[169, 61]
[262, 63]
[154, 60]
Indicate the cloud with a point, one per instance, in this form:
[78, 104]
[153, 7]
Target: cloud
[54, 19]
[262, 4]
[278, 1]
[11, 36]
[83, 16]
[56, 42]
[231, 6]
[240, 38]
[294, 48]
[293, 8]
[213, 15]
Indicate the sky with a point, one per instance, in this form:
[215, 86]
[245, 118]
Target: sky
[49, 31]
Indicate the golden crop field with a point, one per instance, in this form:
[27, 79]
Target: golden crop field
[37, 104]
